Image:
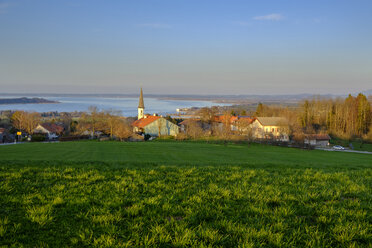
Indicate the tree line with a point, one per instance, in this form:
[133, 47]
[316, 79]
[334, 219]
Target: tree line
[92, 122]
[345, 118]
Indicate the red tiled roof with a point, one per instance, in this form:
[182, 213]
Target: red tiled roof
[245, 118]
[317, 136]
[53, 128]
[143, 122]
[222, 118]
[232, 119]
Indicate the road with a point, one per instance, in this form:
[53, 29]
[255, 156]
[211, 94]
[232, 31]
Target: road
[346, 150]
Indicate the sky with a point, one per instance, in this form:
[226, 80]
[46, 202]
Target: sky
[186, 46]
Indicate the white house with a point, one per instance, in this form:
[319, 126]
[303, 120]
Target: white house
[272, 128]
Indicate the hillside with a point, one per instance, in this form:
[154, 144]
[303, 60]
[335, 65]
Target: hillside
[177, 194]
[25, 100]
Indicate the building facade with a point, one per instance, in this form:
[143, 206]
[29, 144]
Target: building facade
[270, 128]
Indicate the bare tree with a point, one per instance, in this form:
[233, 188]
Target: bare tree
[19, 120]
[194, 129]
[91, 121]
[32, 120]
[122, 130]
[111, 121]
[207, 114]
[25, 121]
[243, 126]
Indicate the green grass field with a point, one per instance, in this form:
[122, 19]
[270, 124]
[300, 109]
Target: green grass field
[177, 194]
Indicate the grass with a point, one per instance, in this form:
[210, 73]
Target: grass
[178, 153]
[177, 194]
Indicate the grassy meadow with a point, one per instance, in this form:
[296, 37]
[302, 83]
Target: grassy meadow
[182, 194]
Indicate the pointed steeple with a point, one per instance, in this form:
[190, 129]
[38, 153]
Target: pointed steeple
[141, 104]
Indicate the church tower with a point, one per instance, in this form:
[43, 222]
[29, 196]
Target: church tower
[141, 106]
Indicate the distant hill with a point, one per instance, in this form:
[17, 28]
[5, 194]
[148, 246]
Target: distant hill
[24, 100]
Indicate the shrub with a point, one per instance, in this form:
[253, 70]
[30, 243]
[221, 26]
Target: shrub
[181, 136]
[73, 138]
[38, 138]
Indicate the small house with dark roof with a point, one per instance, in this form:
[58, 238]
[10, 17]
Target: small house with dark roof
[4, 135]
[318, 140]
[272, 128]
[51, 130]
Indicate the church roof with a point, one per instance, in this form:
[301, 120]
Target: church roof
[141, 104]
[143, 122]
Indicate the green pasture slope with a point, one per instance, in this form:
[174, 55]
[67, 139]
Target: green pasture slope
[182, 194]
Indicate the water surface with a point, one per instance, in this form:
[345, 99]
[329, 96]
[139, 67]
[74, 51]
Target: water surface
[127, 105]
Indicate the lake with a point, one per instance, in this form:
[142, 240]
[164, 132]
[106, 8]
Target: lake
[127, 105]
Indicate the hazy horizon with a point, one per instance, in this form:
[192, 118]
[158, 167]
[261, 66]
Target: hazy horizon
[186, 47]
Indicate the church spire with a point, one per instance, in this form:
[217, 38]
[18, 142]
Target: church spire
[141, 106]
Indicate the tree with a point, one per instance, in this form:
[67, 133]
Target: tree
[363, 115]
[226, 129]
[306, 117]
[207, 114]
[111, 121]
[259, 110]
[67, 122]
[25, 121]
[19, 120]
[194, 129]
[91, 121]
[243, 126]
[32, 120]
[122, 130]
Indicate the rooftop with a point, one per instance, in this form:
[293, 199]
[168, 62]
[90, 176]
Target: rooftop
[272, 121]
[143, 122]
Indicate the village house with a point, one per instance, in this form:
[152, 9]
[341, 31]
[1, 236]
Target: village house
[152, 125]
[318, 140]
[270, 128]
[4, 135]
[240, 124]
[51, 130]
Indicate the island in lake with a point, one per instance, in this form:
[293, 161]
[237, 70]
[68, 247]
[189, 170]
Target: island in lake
[25, 100]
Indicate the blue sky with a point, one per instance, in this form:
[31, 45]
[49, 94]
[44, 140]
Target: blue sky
[186, 46]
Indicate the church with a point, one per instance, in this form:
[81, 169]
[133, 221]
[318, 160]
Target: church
[152, 124]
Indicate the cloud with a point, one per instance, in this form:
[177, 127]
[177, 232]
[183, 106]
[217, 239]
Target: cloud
[155, 25]
[271, 17]
[4, 7]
